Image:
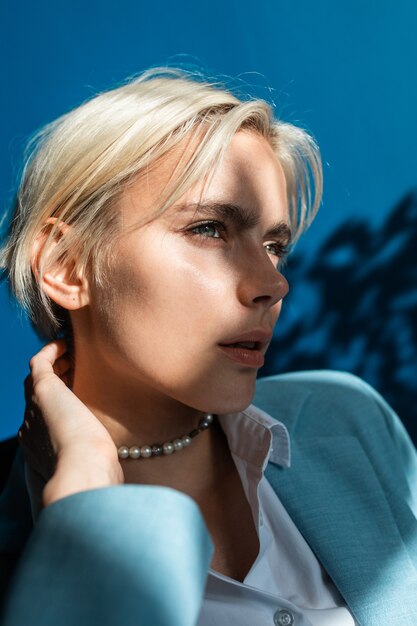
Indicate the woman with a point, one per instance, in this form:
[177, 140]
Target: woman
[147, 242]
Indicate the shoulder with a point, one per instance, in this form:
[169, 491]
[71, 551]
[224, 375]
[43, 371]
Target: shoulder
[333, 382]
[321, 404]
[325, 401]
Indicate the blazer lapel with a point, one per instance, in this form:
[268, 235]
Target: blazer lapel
[336, 501]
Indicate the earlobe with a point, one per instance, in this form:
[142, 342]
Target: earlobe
[69, 294]
[61, 282]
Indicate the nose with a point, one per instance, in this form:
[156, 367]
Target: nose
[262, 282]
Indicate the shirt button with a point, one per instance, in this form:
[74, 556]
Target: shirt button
[283, 618]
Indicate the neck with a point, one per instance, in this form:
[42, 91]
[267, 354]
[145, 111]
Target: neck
[135, 415]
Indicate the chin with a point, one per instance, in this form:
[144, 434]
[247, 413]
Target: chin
[235, 399]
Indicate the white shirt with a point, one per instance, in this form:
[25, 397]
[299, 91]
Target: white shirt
[286, 584]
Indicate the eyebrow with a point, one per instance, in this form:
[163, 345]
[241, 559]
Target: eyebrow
[240, 216]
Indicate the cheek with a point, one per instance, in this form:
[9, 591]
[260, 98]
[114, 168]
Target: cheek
[154, 304]
[164, 332]
[177, 284]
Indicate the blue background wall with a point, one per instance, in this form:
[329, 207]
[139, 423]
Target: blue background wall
[346, 72]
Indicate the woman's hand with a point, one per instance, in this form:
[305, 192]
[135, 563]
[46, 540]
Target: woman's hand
[62, 440]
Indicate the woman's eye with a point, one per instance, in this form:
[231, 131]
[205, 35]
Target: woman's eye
[278, 249]
[207, 228]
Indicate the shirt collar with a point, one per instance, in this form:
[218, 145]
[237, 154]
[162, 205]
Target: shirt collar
[257, 437]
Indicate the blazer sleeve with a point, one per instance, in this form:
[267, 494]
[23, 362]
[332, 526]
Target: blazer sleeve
[129, 554]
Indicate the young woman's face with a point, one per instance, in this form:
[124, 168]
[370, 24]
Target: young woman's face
[190, 281]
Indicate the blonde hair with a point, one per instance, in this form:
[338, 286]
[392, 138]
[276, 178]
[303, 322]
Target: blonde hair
[77, 166]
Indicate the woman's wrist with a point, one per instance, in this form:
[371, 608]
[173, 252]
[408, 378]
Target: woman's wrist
[81, 469]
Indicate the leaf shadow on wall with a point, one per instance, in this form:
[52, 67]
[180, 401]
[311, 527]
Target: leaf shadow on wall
[362, 314]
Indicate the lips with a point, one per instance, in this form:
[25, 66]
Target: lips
[256, 339]
[251, 345]
[248, 348]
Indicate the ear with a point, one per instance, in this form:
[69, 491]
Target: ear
[61, 282]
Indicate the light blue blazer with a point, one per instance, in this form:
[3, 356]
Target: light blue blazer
[138, 555]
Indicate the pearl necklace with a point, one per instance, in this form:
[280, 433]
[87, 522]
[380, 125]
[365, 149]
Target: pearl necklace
[158, 449]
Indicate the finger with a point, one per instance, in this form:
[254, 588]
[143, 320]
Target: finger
[63, 365]
[42, 362]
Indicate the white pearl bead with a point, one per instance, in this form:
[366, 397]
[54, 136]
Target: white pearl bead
[146, 451]
[123, 452]
[134, 452]
[209, 418]
[186, 440]
[178, 444]
[168, 447]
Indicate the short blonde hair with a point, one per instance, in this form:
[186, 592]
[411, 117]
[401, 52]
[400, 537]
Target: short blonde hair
[77, 166]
